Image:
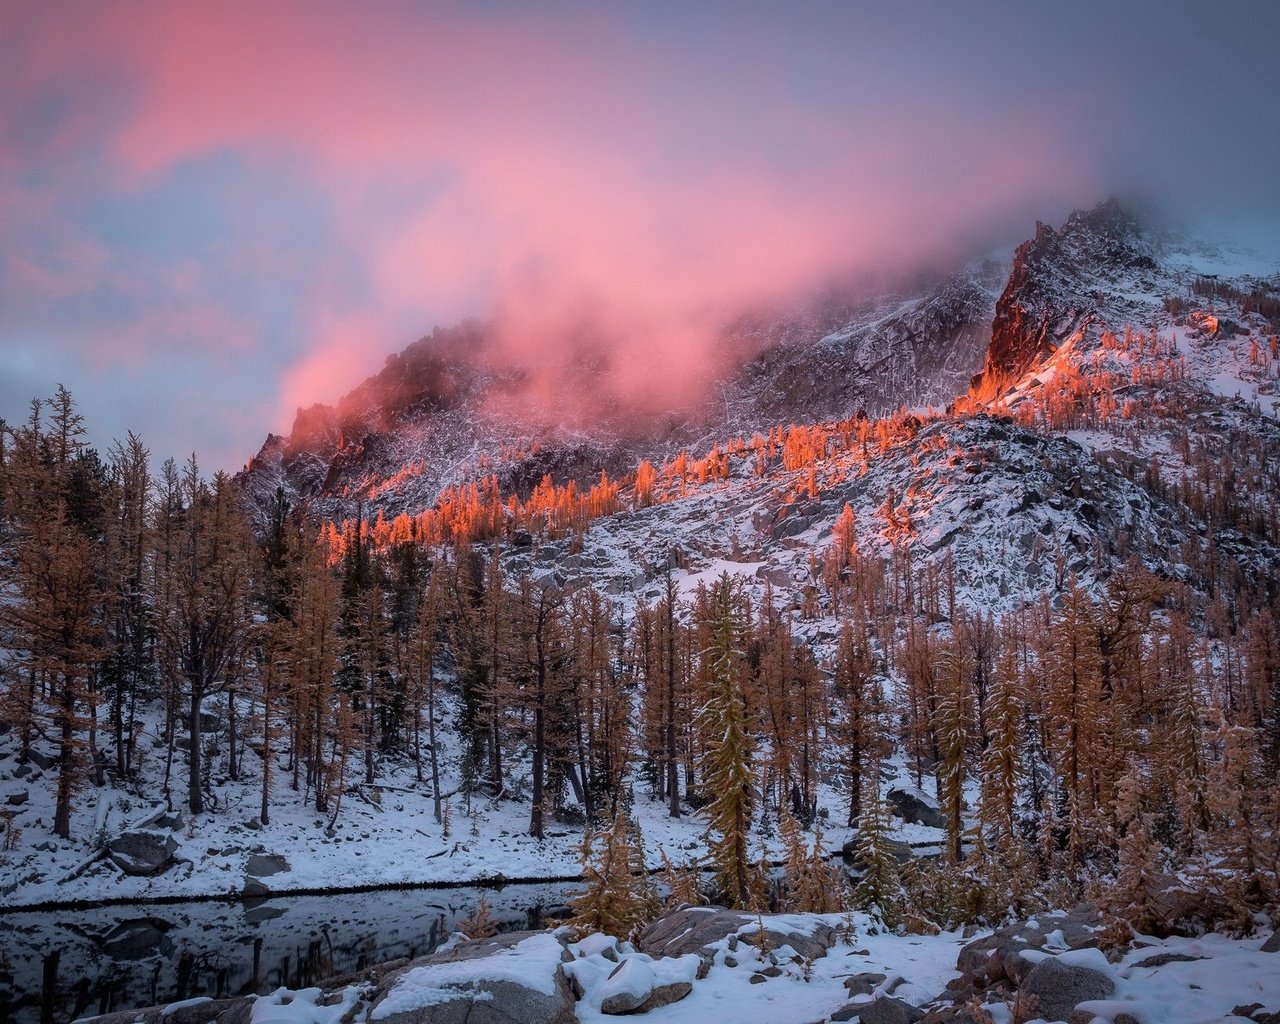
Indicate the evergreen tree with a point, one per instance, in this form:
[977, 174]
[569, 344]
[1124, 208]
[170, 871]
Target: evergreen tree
[879, 887]
[616, 900]
[727, 765]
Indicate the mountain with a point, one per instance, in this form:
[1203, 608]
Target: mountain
[1073, 374]
[449, 407]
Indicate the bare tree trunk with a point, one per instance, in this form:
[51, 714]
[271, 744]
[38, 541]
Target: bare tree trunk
[195, 797]
[233, 767]
[539, 740]
[431, 739]
[673, 771]
[62, 811]
[267, 755]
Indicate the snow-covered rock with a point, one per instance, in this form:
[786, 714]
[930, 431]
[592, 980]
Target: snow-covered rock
[1058, 984]
[915, 806]
[510, 979]
[141, 852]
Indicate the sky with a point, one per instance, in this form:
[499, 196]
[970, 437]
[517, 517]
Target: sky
[213, 213]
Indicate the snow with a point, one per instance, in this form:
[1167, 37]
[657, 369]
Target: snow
[303, 1006]
[689, 583]
[926, 963]
[633, 977]
[1227, 973]
[1215, 975]
[182, 1004]
[531, 963]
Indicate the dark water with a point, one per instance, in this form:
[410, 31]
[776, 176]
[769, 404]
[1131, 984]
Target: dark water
[56, 966]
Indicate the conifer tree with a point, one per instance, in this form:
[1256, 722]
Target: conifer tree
[205, 621]
[855, 699]
[727, 765]
[952, 742]
[1131, 895]
[812, 885]
[1001, 762]
[681, 884]
[616, 900]
[879, 888]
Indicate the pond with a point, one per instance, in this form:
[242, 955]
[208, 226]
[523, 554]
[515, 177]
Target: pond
[59, 965]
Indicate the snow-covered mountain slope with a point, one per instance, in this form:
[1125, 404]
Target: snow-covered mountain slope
[904, 349]
[448, 408]
[1107, 349]
[995, 499]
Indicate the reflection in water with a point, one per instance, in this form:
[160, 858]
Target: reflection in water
[56, 966]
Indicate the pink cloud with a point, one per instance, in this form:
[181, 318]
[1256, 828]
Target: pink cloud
[574, 192]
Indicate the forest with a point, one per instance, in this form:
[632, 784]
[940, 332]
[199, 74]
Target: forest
[1093, 743]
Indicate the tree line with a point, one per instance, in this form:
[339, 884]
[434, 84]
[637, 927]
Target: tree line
[1120, 735]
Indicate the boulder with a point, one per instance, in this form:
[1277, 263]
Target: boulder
[17, 799]
[887, 1010]
[510, 979]
[192, 1011]
[1059, 987]
[998, 956]
[1272, 945]
[665, 995]
[899, 851]
[913, 806]
[696, 929]
[1160, 959]
[863, 984]
[142, 853]
[41, 760]
[628, 987]
[260, 865]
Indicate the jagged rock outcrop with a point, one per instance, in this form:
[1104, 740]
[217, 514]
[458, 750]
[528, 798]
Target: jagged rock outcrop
[1052, 288]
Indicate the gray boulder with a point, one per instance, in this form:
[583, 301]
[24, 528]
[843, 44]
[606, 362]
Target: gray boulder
[863, 984]
[696, 929]
[899, 851]
[1058, 988]
[260, 865]
[18, 798]
[41, 760]
[998, 956]
[207, 1011]
[887, 1010]
[915, 808]
[1160, 959]
[474, 995]
[629, 986]
[665, 995]
[142, 853]
[1272, 945]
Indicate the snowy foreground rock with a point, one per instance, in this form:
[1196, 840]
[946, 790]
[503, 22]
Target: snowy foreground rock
[703, 965]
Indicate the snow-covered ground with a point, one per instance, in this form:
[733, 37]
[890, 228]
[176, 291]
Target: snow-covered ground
[1171, 981]
[384, 835]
